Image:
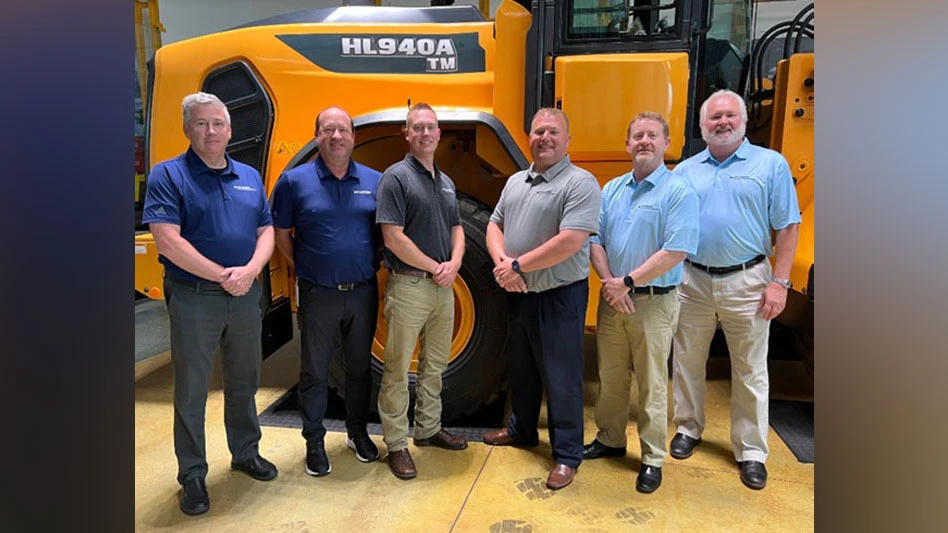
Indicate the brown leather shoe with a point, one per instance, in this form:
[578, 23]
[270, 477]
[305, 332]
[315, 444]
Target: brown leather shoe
[401, 464]
[501, 437]
[443, 439]
[560, 476]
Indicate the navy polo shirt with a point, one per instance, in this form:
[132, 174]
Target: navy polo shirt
[336, 237]
[219, 211]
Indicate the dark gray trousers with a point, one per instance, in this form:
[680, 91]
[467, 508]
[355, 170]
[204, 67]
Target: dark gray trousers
[203, 316]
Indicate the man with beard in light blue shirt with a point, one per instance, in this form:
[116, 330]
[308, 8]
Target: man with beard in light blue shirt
[745, 192]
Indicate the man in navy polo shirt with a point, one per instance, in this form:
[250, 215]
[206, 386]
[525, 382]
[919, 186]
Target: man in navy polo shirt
[745, 192]
[212, 225]
[324, 214]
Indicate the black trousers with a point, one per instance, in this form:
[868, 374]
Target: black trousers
[545, 351]
[204, 316]
[331, 319]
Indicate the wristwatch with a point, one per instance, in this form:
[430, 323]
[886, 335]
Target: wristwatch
[629, 282]
[515, 265]
[785, 283]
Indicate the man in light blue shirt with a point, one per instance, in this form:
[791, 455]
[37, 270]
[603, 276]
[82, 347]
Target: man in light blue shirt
[648, 224]
[745, 191]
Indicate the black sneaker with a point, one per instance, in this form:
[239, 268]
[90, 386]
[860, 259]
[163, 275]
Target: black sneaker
[194, 499]
[365, 450]
[317, 463]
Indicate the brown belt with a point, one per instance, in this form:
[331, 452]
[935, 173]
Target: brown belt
[413, 272]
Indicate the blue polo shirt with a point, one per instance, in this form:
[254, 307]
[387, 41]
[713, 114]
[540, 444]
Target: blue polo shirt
[218, 211]
[336, 240]
[638, 219]
[741, 199]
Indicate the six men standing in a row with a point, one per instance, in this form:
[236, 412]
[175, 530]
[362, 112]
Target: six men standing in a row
[336, 219]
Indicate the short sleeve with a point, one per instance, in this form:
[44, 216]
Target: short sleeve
[582, 208]
[390, 204]
[497, 217]
[281, 203]
[784, 208]
[162, 197]
[681, 223]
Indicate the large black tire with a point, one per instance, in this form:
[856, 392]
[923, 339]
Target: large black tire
[477, 374]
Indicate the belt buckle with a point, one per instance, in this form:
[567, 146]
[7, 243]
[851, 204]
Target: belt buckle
[344, 287]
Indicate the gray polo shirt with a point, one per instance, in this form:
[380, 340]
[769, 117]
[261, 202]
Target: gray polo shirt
[533, 208]
[426, 207]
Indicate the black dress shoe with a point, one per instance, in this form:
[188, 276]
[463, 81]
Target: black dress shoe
[650, 478]
[317, 463]
[682, 446]
[754, 474]
[365, 450]
[256, 467]
[194, 499]
[596, 449]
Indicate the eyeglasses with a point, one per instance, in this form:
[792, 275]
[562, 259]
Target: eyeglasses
[329, 130]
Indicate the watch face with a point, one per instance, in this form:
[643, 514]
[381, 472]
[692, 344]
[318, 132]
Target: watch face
[628, 281]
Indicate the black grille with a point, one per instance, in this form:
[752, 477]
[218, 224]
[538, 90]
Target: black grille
[251, 112]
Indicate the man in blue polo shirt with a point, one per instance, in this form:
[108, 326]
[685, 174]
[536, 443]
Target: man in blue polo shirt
[745, 192]
[648, 225]
[324, 213]
[212, 225]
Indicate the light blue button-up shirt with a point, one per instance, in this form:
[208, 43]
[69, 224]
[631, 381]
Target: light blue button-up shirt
[638, 219]
[741, 198]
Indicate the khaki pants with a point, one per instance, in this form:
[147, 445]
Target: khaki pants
[641, 340]
[416, 309]
[734, 300]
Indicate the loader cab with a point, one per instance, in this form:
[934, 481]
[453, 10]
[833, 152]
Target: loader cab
[603, 61]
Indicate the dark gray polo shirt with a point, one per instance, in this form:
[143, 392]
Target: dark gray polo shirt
[426, 207]
[533, 208]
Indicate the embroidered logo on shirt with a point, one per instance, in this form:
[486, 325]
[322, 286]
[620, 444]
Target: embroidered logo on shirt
[361, 191]
[752, 178]
[648, 207]
[447, 190]
[245, 188]
[160, 211]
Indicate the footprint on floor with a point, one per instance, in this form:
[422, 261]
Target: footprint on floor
[534, 488]
[511, 526]
[699, 473]
[635, 516]
[583, 515]
[292, 527]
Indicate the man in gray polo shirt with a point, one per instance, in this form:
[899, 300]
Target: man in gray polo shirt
[424, 243]
[538, 237]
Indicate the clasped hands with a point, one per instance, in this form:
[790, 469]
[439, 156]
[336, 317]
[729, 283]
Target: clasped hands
[237, 280]
[617, 295]
[507, 277]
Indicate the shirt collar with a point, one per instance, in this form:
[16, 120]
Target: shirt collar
[323, 172]
[551, 173]
[416, 164]
[653, 178]
[740, 153]
[197, 165]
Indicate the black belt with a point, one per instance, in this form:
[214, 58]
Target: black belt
[413, 272]
[648, 289]
[718, 271]
[341, 287]
[198, 287]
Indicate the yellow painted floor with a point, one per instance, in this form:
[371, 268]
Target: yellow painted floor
[481, 489]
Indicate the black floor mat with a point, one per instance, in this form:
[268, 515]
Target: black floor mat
[793, 421]
[285, 413]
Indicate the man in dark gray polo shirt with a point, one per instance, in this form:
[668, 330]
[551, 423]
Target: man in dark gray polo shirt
[538, 237]
[424, 243]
